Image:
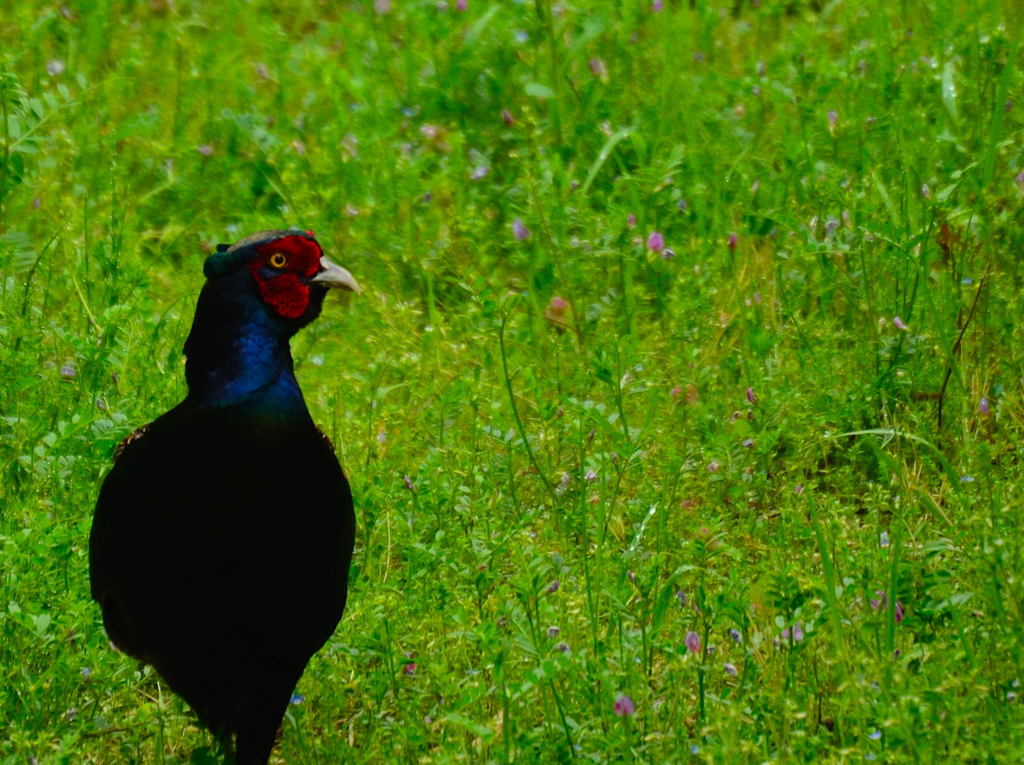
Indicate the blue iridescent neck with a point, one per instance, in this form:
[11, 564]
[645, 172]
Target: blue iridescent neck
[238, 354]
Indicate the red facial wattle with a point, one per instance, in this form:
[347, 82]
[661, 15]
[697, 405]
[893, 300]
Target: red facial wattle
[285, 288]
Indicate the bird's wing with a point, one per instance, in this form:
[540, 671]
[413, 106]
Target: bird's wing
[322, 435]
[128, 440]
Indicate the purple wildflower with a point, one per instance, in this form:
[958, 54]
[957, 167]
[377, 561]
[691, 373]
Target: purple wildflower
[748, 443]
[206, 150]
[692, 642]
[1020, 180]
[410, 668]
[732, 241]
[798, 632]
[631, 220]
[553, 587]
[297, 698]
[751, 397]
[657, 5]
[736, 636]
[519, 230]
[875, 735]
[460, 6]
[591, 476]
[631, 576]
[925, 191]
[507, 118]
[408, 483]
[983, 406]
[597, 67]
[883, 539]
[86, 673]
[799, 489]
[730, 669]
[479, 172]
[898, 323]
[681, 597]
[833, 118]
[68, 371]
[754, 188]
[553, 631]
[55, 67]
[382, 6]
[682, 205]
[713, 466]
[624, 706]
[655, 242]
[563, 647]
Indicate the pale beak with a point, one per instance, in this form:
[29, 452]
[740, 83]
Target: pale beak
[333, 275]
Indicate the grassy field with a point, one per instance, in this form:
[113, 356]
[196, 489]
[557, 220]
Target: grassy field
[680, 407]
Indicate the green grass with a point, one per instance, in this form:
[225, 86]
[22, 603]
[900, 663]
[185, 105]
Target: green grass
[866, 156]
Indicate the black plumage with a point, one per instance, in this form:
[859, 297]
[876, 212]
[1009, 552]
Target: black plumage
[222, 536]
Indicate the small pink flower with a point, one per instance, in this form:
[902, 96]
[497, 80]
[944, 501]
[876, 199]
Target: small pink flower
[731, 241]
[206, 150]
[631, 220]
[624, 706]
[655, 242]
[410, 668]
[692, 642]
[657, 5]
[460, 6]
[750, 396]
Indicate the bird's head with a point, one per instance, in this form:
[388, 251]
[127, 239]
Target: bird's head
[285, 270]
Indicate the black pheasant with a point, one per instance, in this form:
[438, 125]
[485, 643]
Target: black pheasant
[222, 536]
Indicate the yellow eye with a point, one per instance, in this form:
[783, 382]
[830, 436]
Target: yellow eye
[278, 260]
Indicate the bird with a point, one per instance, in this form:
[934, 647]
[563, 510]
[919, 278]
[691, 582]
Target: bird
[223, 534]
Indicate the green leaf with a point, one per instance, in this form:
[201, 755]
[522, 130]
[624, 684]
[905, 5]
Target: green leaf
[949, 90]
[537, 90]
